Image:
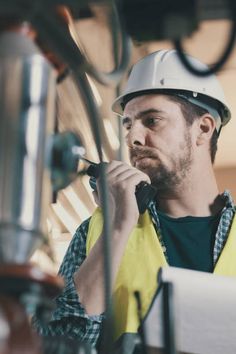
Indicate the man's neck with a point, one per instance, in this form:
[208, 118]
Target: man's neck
[196, 196]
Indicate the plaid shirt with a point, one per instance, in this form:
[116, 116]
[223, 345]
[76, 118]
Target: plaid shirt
[70, 319]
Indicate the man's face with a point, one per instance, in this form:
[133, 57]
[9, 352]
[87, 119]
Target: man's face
[158, 139]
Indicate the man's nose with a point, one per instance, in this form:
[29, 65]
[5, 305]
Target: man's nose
[136, 135]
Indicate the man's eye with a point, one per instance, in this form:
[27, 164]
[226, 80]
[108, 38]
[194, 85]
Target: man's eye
[151, 121]
[127, 126]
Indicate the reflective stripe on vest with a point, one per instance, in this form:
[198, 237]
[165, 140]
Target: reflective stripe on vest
[140, 264]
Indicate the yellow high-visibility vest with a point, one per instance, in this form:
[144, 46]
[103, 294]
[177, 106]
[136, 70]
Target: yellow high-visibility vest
[139, 266]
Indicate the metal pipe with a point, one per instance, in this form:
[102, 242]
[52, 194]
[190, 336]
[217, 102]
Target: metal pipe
[27, 100]
[168, 319]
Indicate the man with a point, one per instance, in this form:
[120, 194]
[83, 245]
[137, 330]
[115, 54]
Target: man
[172, 121]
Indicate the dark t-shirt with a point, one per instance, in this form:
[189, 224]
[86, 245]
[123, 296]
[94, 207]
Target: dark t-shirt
[189, 240]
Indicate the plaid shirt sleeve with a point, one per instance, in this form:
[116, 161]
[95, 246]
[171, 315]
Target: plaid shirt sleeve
[69, 318]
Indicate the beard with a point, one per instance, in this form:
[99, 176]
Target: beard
[164, 178]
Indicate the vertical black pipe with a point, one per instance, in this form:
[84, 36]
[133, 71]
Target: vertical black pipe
[168, 319]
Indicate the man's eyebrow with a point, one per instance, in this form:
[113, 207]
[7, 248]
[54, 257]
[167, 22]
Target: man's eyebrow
[126, 120]
[148, 111]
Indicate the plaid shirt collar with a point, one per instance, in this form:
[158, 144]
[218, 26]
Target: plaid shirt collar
[226, 218]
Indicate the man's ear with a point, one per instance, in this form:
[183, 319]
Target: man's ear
[206, 127]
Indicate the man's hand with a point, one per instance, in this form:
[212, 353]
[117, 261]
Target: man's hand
[122, 181]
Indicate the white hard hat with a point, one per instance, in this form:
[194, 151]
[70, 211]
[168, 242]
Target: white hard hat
[162, 71]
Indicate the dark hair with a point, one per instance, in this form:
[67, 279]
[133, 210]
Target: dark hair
[191, 112]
